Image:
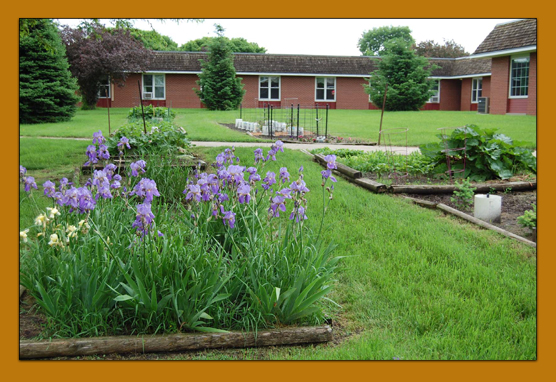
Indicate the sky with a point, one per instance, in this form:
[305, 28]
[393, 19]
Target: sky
[336, 37]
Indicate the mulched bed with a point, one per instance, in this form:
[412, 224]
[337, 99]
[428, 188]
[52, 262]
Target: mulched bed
[514, 204]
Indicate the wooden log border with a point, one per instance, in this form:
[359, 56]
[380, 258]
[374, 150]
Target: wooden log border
[171, 343]
[471, 219]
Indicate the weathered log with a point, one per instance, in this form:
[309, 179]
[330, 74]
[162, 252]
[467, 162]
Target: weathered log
[370, 185]
[422, 203]
[342, 168]
[484, 224]
[449, 188]
[174, 342]
[21, 291]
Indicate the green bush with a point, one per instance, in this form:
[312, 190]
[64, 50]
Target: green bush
[529, 218]
[463, 195]
[136, 113]
[162, 137]
[489, 155]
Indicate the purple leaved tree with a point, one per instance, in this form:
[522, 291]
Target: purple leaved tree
[97, 54]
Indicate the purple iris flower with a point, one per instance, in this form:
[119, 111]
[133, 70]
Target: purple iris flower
[85, 200]
[92, 154]
[143, 219]
[254, 178]
[285, 192]
[104, 191]
[284, 174]
[299, 186]
[103, 152]
[269, 180]
[193, 192]
[71, 198]
[29, 182]
[271, 153]
[49, 188]
[327, 174]
[279, 146]
[100, 179]
[98, 138]
[115, 184]
[124, 142]
[298, 214]
[109, 169]
[243, 192]
[229, 217]
[117, 177]
[58, 198]
[63, 183]
[278, 204]
[259, 155]
[136, 166]
[223, 197]
[220, 160]
[160, 234]
[22, 171]
[236, 173]
[146, 188]
[331, 161]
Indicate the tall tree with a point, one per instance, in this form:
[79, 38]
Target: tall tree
[96, 54]
[372, 42]
[406, 75]
[450, 49]
[237, 45]
[219, 88]
[153, 40]
[46, 88]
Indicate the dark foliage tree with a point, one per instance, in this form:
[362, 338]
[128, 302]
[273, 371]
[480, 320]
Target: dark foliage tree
[96, 54]
[237, 45]
[372, 42]
[450, 49]
[219, 88]
[46, 88]
[406, 75]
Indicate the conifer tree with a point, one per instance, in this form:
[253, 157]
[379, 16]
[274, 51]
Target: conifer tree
[407, 76]
[219, 88]
[46, 87]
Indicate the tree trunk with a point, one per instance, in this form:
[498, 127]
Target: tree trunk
[173, 342]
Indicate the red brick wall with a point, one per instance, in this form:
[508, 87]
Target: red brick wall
[450, 94]
[302, 88]
[466, 86]
[350, 93]
[499, 80]
[251, 87]
[127, 96]
[532, 99]
[179, 91]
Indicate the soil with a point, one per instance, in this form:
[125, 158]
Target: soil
[514, 203]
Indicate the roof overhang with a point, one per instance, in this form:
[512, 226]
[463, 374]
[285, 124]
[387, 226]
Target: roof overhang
[262, 74]
[505, 52]
[458, 77]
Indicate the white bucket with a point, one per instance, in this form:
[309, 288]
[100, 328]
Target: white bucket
[238, 123]
[488, 208]
[265, 130]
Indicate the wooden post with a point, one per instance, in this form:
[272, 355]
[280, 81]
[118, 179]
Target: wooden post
[382, 113]
[142, 110]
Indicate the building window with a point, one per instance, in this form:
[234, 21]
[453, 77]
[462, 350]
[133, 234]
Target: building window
[154, 86]
[325, 89]
[436, 96]
[104, 89]
[519, 77]
[476, 89]
[269, 88]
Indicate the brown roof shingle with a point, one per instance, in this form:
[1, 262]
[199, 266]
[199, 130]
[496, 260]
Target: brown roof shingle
[512, 35]
[304, 64]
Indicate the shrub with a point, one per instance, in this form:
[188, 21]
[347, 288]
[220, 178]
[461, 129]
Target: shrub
[529, 218]
[489, 155]
[150, 112]
[463, 195]
[161, 137]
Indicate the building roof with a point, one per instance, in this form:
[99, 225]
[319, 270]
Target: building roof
[285, 64]
[516, 34]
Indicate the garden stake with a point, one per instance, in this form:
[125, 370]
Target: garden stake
[382, 113]
[142, 111]
[297, 130]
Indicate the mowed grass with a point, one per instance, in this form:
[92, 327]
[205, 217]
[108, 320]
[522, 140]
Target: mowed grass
[414, 283]
[206, 125]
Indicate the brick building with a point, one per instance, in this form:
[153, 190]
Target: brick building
[502, 69]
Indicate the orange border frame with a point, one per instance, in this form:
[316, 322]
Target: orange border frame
[267, 370]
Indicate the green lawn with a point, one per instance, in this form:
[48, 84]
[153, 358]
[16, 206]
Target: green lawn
[414, 283]
[203, 125]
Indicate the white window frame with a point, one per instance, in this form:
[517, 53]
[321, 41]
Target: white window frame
[510, 88]
[108, 86]
[476, 90]
[324, 89]
[437, 95]
[269, 88]
[154, 86]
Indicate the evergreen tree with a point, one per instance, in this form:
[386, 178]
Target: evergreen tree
[406, 75]
[46, 87]
[220, 89]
